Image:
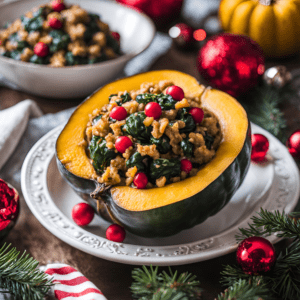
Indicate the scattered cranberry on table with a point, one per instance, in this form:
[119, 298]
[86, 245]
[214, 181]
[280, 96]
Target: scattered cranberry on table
[55, 23]
[260, 147]
[176, 92]
[186, 166]
[41, 49]
[153, 109]
[82, 214]
[122, 143]
[118, 113]
[115, 233]
[197, 114]
[58, 5]
[140, 180]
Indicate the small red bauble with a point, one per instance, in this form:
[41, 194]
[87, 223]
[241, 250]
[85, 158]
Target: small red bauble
[55, 23]
[118, 113]
[115, 233]
[255, 255]
[58, 5]
[293, 144]
[182, 35]
[41, 49]
[140, 180]
[186, 166]
[232, 63]
[197, 114]
[153, 109]
[82, 214]
[122, 143]
[176, 92]
[115, 35]
[260, 147]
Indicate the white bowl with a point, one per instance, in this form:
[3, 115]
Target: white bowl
[136, 31]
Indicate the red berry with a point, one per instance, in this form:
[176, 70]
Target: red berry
[186, 166]
[58, 5]
[153, 109]
[122, 143]
[197, 114]
[115, 35]
[118, 113]
[260, 147]
[82, 214]
[55, 23]
[41, 49]
[115, 233]
[176, 92]
[140, 180]
[293, 144]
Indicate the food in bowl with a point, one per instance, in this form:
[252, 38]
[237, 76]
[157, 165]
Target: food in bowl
[166, 210]
[58, 35]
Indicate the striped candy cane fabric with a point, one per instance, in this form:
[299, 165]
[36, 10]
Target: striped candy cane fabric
[71, 284]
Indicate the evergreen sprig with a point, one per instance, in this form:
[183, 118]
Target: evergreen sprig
[20, 277]
[149, 285]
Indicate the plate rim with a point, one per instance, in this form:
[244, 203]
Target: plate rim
[115, 251]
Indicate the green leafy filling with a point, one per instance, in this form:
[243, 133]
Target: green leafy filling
[20, 44]
[33, 24]
[166, 102]
[187, 147]
[209, 140]
[39, 60]
[73, 60]
[136, 160]
[184, 115]
[60, 40]
[96, 119]
[162, 144]
[164, 167]
[91, 28]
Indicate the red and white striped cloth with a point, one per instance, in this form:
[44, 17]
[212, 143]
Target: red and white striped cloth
[71, 284]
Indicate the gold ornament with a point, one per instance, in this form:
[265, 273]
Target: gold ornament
[277, 76]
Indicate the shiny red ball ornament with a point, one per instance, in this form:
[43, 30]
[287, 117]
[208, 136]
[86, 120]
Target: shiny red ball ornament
[82, 214]
[55, 23]
[186, 166]
[122, 143]
[118, 113]
[58, 5]
[161, 12]
[9, 208]
[293, 144]
[260, 147]
[197, 114]
[153, 109]
[232, 63]
[182, 35]
[140, 180]
[176, 92]
[115, 233]
[255, 255]
[41, 49]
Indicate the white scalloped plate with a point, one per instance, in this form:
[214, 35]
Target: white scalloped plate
[273, 186]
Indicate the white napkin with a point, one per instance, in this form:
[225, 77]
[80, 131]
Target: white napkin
[13, 122]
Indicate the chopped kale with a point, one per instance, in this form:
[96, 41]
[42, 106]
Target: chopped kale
[73, 60]
[94, 60]
[136, 160]
[125, 98]
[164, 167]
[187, 147]
[96, 119]
[60, 40]
[166, 102]
[186, 117]
[39, 60]
[91, 28]
[16, 54]
[33, 24]
[209, 140]
[162, 144]
[112, 43]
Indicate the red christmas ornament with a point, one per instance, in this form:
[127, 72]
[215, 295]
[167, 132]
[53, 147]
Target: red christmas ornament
[9, 208]
[231, 63]
[293, 144]
[260, 147]
[41, 49]
[55, 23]
[153, 109]
[176, 92]
[122, 143]
[115, 233]
[118, 113]
[197, 114]
[186, 165]
[255, 255]
[160, 11]
[82, 214]
[58, 5]
[182, 35]
[140, 180]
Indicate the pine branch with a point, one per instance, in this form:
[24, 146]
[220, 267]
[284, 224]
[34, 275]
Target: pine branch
[149, 285]
[19, 275]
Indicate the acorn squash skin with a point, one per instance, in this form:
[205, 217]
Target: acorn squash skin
[188, 211]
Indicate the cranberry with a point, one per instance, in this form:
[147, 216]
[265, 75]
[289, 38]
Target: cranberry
[55, 23]
[122, 143]
[115, 35]
[186, 166]
[260, 147]
[115, 233]
[140, 180]
[153, 109]
[82, 214]
[118, 113]
[41, 49]
[197, 114]
[58, 5]
[176, 92]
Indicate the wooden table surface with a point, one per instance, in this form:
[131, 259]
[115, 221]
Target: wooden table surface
[114, 279]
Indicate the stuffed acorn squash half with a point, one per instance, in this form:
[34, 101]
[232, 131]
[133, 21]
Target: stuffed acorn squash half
[173, 199]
